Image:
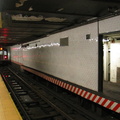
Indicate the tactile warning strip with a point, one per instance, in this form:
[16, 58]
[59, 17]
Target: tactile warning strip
[8, 110]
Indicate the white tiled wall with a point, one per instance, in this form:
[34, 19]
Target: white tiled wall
[110, 25]
[77, 63]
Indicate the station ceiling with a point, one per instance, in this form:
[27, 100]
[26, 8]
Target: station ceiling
[26, 20]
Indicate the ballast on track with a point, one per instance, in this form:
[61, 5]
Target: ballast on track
[35, 102]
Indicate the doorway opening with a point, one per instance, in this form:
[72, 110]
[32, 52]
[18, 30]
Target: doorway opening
[111, 64]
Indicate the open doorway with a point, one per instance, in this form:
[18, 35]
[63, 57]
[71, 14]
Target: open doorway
[111, 57]
[111, 64]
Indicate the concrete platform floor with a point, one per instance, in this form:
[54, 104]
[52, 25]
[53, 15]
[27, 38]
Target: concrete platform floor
[112, 90]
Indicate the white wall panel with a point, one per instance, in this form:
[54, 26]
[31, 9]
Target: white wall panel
[16, 53]
[77, 63]
[110, 25]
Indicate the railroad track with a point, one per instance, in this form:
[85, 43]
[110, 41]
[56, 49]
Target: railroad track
[35, 103]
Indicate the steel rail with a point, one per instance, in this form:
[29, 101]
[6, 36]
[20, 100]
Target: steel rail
[16, 99]
[44, 98]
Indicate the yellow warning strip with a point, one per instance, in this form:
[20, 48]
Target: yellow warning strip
[8, 110]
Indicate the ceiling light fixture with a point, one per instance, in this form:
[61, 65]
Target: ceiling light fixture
[30, 9]
[20, 3]
[61, 9]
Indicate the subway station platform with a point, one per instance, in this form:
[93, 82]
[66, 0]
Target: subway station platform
[112, 90]
[8, 110]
